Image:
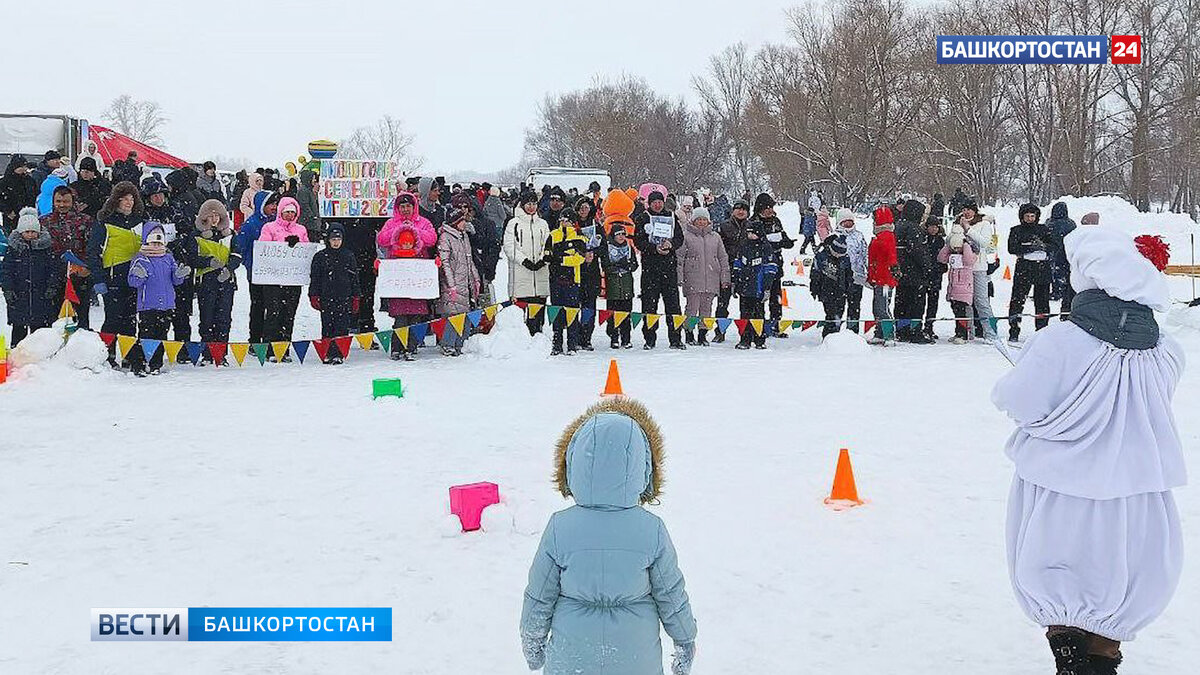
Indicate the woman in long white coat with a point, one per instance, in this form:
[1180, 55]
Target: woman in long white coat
[525, 248]
[1094, 542]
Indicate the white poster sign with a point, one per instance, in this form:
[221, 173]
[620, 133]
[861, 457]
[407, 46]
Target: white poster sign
[414, 278]
[277, 263]
[662, 228]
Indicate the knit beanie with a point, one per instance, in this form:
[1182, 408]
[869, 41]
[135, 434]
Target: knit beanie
[28, 221]
[700, 212]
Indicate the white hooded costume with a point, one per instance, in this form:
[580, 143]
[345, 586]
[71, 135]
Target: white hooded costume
[1094, 540]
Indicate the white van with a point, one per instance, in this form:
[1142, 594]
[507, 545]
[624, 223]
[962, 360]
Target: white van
[567, 178]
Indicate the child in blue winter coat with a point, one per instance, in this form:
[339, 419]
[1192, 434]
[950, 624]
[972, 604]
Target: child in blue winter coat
[154, 274]
[606, 575]
[754, 274]
[31, 276]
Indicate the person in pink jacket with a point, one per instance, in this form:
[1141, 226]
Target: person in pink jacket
[281, 301]
[959, 258]
[407, 234]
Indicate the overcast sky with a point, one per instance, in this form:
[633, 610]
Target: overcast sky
[260, 79]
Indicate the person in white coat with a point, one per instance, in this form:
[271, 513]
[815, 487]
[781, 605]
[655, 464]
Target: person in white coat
[1094, 542]
[525, 248]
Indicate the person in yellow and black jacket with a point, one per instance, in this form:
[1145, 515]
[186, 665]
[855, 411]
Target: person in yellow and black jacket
[565, 251]
[217, 259]
[111, 248]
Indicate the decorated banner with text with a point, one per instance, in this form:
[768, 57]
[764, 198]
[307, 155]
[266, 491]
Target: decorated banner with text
[358, 188]
[275, 262]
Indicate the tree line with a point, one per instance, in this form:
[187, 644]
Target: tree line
[854, 103]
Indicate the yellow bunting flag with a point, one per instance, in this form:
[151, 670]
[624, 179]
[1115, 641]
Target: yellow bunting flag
[402, 335]
[490, 312]
[365, 340]
[677, 320]
[280, 349]
[172, 348]
[532, 309]
[124, 344]
[757, 325]
[784, 325]
[239, 349]
[68, 310]
[572, 314]
[709, 322]
[456, 322]
[652, 320]
[619, 318]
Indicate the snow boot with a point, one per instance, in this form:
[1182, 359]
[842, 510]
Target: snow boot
[1069, 646]
[742, 345]
[614, 344]
[556, 351]
[679, 345]
[718, 337]
[1014, 335]
[702, 339]
[689, 338]
[1103, 665]
[627, 345]
[409, 356]
[760, 345]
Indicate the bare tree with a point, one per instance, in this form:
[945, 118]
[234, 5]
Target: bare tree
[726, 93]
[384, 140]
[139, 120]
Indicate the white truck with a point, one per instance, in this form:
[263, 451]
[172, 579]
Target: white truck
[567, 178]
[32, 134]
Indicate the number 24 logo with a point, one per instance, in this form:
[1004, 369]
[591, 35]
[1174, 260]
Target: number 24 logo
[1126, 49]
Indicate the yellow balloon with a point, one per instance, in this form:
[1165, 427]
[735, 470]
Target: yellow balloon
[291, 168]
[302, 159]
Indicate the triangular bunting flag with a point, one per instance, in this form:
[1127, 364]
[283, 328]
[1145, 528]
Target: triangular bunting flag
[67, 310]
[532, 309]
[474, 316]
[438, 327]
[193, 350]
[71, 295]
[805, 325]
[994, 322]
[343, 345]
[619, 318]
[691, 322]
[239, 349]
[321, 347]
[365, 340]
[903, 323]
[587, 314]
[217, 351]
[602, 315]
[385, 341]
[107, 338]
[456, 322]
[552, 313]
[741, 325]
[124, 344]
[402, 336]
[418, 331]
[260, 350]
[634, 319]
[280, 349]
[490, 312]
[677, 320]
[757, 325]
[522, 305]
[301, 349]
[782, 326]
[723, 325]
[572, 314]
[709, 322]
[652, 320]
[867, 326]
[150, 347]
[171, 349]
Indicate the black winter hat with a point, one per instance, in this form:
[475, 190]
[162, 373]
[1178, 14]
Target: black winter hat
[836, 244]
[528, 197]
[336, 231]
[1028, 208]
[763, 201]
[741, 204]
[455, 216]
[655, 196]
[557, 192]
[970, 203]
[593, 186]
[52, 154]
[88, 164]
[153, 186]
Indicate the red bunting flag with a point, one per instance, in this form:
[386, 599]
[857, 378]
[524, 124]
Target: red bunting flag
[868, 325]
[438, 327]
[603, 315]
[71, 294]
[322, 347]
[807, 324]
[741, 325]
[343, 345]
[217, 351]
[108, 338]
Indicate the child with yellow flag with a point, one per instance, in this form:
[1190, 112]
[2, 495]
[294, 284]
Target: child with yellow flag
[111, 248]
[565, 250]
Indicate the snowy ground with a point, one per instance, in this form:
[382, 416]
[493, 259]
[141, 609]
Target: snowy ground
[287, 485]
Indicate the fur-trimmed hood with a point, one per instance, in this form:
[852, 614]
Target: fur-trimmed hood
[213, 207]
[610, 456]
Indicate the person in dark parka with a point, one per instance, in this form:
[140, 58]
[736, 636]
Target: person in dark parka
[92, 188]
[217, 258]
[831, 280]
[1060, 269]
[733, 234]
[1033, 243]
[310, 206]
[935, 240]
[18, 189]
[914, 269]
[590, 286]
[30, 275]
[660, 274]
[334, 290]
[771, 228]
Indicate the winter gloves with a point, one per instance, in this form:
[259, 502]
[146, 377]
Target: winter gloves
[315, 302]
[681, 661]
[139, 271]
[292, 240]
[224, 275]
[533, 266]
[534, 650]
[182, 271]
[100, 288]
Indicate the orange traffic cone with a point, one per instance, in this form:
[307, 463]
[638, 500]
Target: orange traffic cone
[783, 297]
[613, 386]
[844, 494]
[1007, 273]
[799, 268]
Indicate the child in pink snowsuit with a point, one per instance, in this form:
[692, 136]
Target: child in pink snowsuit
[959, 258]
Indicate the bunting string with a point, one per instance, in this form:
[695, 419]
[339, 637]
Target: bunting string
[461, 324]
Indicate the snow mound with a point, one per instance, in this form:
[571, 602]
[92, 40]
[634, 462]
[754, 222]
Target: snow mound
[844, 342]
[84, 351]
[509, 338]
[37, 347]
[1184, 317]
[449, 526]
[497, 519]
